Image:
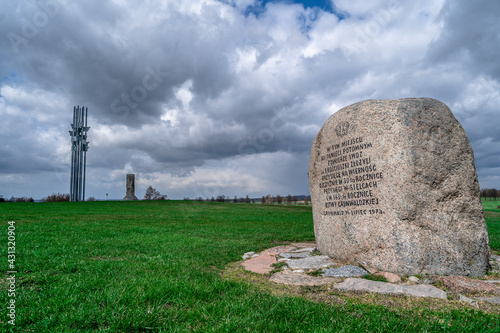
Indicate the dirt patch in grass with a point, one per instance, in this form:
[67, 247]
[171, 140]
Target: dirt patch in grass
[491, 214]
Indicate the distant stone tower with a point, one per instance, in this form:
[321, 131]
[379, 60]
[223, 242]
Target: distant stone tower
[130, 187]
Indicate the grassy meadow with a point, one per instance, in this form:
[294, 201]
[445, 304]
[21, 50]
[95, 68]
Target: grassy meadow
[492, 214]
[157, 267]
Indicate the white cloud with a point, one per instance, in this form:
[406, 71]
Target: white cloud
[178, 91]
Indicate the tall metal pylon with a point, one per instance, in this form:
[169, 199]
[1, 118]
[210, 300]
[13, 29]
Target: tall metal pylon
[79, 147]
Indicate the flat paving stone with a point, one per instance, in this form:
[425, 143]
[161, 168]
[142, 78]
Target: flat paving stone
[466, 299]
[295, 255]
[313, 262]
[299, 279]
[494, 300]
[261, 264]
[421, 290]
[304, 245]
[461, 284]
[306, 249]
[279, 249]
[345, 271]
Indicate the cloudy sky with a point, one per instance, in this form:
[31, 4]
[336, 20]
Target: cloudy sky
[206, 97]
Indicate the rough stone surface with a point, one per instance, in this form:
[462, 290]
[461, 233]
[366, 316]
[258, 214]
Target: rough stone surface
[306, 249]
[393, 184]
[299, 279]
[390, 277]
[304, 245]
[421, 290]
[494, 300]
[465, 299]
[295, 255]
[279, 249]
[344, 271]
[314, 262]
[130, 194]
[413, 279]
[495, 263]
[462, 284]
[249, 255]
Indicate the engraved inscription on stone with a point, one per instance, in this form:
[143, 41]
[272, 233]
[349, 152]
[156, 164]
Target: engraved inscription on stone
[349, 181]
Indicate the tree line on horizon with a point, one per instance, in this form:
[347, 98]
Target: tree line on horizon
[490, 194]
[152, 194]
[266, 199]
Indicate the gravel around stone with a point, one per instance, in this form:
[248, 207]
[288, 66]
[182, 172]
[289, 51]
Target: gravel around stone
[300, 260]
[345, 271]
[313, 262]
[298, 279]
[295, 255]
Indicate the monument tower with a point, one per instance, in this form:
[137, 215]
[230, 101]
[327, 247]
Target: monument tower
[130, 188]
[79, 147]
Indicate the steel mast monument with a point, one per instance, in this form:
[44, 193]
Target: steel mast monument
[79, 147]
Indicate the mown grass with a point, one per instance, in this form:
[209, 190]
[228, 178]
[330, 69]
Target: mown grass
[492, 213]
[156, 267]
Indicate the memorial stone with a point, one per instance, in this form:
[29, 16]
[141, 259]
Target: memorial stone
[394, 187]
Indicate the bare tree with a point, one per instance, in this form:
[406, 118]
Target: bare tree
[490, 194]
[153, 194]
[269, 199]
[279, 199]
[56, 197]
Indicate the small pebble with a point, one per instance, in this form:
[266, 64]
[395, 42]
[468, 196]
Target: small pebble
[249, 255]
[413, 279]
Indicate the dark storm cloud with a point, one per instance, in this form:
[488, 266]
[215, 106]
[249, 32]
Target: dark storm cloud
[471, 30]
[204, 95]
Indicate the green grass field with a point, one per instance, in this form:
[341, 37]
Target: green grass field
[492, 213]
[156, 267]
